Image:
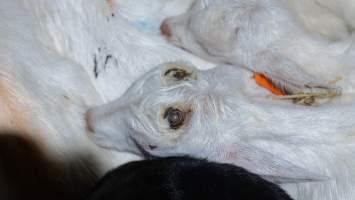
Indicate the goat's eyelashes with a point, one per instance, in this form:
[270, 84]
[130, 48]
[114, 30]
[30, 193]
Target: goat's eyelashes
[178, 71]
[175, 117]
[177, 74]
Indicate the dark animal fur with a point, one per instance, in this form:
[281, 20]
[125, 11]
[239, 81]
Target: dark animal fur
[27, 173]
[183, 178]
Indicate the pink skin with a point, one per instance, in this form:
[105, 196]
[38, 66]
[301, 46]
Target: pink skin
[165, 29]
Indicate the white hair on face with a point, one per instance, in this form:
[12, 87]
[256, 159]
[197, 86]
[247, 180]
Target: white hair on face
[282, 142]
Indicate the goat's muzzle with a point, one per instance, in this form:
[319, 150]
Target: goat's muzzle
[165, 29]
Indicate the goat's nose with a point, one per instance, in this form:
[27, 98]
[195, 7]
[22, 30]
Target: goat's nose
[89, 121]
[165, 29]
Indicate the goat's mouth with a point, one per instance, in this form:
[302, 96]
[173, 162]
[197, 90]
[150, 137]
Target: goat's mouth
[142, 151]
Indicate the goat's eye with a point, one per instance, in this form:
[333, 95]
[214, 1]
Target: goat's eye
[177, 74]
[175, 117]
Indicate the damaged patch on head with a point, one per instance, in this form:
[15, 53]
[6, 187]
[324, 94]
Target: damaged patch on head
[111, 3]
[178, 72]
[110, 10]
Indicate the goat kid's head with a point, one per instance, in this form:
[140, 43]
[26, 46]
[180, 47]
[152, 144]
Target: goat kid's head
[220, 30]
[176, 109]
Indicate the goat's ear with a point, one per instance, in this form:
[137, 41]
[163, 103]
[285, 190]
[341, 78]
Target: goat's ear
[267, 165]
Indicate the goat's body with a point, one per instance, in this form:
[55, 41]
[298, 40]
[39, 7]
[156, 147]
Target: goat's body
[320, 139]
[44, 96]
[99, 36]
[318, 56]
[30, 74]
[59, 58]
[324, 17]
[341, 8]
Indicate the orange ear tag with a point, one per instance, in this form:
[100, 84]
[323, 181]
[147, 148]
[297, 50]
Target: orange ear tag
[264, 82]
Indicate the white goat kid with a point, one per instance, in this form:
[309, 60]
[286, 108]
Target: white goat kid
[262, 36]
[179, 110]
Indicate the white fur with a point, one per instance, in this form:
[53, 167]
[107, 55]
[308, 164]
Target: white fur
[89, 30]
[47, 51]
[71, 32]
[282, 142]
[320, 19]
[45, 95]
[263, 36]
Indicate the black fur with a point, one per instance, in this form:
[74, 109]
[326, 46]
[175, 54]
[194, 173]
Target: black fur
[183, 178]
[27, 172]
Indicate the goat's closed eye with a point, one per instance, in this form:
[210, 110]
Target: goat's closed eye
[177, 74]
[177, 71]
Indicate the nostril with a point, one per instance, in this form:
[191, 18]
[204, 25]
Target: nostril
[89, 122]
[165, 29]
